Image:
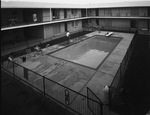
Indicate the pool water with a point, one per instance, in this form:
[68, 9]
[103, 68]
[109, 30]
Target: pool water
[90, 52]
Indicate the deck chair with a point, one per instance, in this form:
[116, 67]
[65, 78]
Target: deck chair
[38, 50]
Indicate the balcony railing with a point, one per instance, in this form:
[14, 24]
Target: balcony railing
[24, 21]
[12, 22]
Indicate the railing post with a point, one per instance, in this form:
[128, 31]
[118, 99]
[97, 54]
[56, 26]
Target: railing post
[101, 109]
[109, 95]
[43, 85]
[13, 69]
[120, 71]
[88, 97]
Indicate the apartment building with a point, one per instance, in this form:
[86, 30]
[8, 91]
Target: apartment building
[125, 18]
[46, 22]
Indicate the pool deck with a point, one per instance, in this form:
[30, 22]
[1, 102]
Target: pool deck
[75, 76]
[106, 73]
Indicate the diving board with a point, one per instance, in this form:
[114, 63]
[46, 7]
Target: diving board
[108, 34]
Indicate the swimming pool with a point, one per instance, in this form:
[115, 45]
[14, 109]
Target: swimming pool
[90, 52]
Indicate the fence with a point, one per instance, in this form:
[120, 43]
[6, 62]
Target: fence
[114, 88]
[94, 106]
[78, 103]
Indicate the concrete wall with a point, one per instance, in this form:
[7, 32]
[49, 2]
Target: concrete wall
[121, 23]
[102, 22]
[92, 22]
[12, 36]
[74, 25]
[108, 22]
[114, 23]
[34, 32]
[143, 24]
[105, 22]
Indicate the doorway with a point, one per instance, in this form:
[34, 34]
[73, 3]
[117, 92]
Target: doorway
[66, 29]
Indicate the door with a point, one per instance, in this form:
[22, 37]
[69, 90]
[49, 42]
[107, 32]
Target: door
[97, 12]
[65, 13]
[133, 23]
[83, 12]
[66, 27]
[97, 21]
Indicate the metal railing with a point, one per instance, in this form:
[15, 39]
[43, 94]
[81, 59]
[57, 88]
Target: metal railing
[114, 88]
[40, 19]
[96, 108]
[69, 98]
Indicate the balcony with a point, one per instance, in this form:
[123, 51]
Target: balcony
[21, 22]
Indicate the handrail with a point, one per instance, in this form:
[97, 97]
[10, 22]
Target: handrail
[94, 94]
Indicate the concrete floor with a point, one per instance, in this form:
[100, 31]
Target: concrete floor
[74, 76]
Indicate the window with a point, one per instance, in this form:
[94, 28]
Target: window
[56, 13]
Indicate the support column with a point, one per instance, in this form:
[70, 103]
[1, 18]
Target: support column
[86, 12]
[51, 16]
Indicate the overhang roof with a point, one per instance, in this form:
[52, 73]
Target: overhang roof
[21, 4]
